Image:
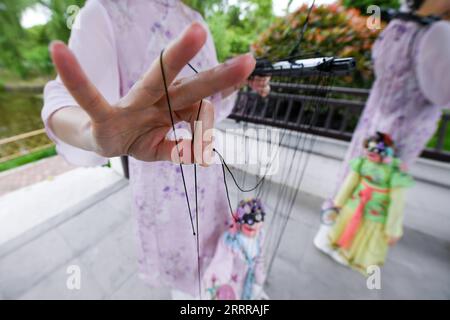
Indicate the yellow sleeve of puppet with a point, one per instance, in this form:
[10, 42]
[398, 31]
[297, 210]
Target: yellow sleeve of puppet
[394, 223]
[346, 190]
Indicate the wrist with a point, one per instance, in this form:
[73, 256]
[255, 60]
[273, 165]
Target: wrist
[73, 126]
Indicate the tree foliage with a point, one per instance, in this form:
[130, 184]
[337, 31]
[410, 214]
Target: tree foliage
[25, 51]
[235, 27]
[12, 34]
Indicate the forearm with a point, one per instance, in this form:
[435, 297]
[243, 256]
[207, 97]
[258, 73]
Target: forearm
[73, 126]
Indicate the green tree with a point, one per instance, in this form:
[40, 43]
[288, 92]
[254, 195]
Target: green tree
[204, 6]
[12, 35]
[235, 27]
[25, 51]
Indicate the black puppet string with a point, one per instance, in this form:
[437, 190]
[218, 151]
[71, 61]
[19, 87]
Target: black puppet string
[194, 231]
[196, 196]
[176, 140]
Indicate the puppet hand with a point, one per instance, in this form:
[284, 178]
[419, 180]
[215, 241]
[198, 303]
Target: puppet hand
[260, 85]
[138, 123]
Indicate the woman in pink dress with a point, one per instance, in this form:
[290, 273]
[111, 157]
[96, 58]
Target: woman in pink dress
[103, 105]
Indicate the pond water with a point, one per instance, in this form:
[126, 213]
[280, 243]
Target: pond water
[19, 113]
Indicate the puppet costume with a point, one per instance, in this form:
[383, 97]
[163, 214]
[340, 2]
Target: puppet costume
[115, 42]
[371, 201]
[237, 269]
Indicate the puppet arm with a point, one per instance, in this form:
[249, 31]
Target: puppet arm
[394, 223]
[347, 189]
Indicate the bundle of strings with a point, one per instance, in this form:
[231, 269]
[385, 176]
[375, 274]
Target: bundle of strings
[295, 118]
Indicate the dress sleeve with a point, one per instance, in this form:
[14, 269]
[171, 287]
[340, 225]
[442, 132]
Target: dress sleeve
[92, 41]
[394, 223]
[433, 64]
[356, 164]
[223, 106]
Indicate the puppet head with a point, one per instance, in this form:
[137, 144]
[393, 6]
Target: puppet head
[249, 217]
[379, 147]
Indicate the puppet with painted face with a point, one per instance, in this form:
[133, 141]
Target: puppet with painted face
[236, 271]
[370, 205]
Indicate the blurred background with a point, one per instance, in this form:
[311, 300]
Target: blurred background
[28, 26]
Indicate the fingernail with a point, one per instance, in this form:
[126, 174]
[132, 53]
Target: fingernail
[52, 44]
[208, 157]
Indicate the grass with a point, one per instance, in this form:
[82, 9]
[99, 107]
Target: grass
[20, 161]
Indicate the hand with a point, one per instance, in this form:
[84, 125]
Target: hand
[138, 123]
[260, 85]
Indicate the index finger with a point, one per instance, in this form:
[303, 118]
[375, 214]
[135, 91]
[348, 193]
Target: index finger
[207, 83]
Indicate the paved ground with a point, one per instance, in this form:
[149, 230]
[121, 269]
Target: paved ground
[101, 241]
[35, 172]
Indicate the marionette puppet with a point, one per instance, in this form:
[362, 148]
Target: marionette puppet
[236, 271]
[369, 206]
[411, 61]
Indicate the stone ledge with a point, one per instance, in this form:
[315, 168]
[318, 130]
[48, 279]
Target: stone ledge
[29, 212]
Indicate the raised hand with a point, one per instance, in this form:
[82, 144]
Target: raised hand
[138, 123]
